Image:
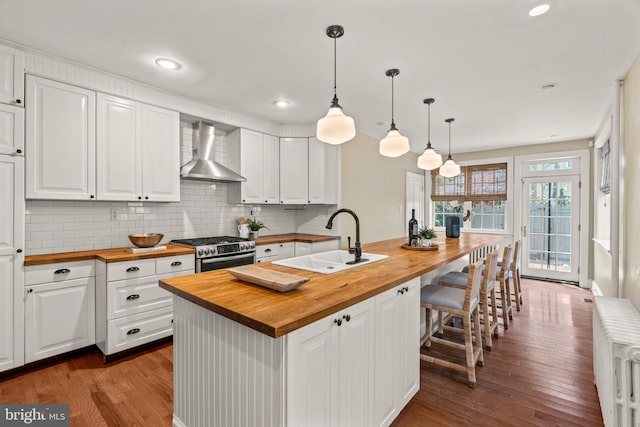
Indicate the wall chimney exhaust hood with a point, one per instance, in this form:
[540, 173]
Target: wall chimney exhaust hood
[203, 166]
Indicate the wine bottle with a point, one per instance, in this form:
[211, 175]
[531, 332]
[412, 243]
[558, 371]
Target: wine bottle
[413, 229]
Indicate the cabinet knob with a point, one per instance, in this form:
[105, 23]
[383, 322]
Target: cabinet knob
[18, 101]
[133, 297]
[347, 317]
[133, 331]
[337, 321]
[401, 291]
[29, 290]
[267, 250]
[406, 289]
[19, 151]
[243, 200]
[265, 201]
[146, 197]
[92, 196]
[176, 263]
[19, 251]
[132, 269]
[139, 197]
[281, 201]
[62, 271]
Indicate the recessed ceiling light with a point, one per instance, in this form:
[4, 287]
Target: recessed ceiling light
[539, 10]
[281, 103]
[547, 87]
[168, 64]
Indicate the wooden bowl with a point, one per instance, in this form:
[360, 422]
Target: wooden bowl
[145, 240]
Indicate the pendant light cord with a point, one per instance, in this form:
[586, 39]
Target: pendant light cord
[392, 115]
[429, 126]
[449, 158]
[335, 66]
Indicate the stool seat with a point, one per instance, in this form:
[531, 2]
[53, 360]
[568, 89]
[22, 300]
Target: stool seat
[444, 296]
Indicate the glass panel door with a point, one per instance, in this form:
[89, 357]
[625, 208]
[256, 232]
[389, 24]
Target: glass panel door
[551, 210]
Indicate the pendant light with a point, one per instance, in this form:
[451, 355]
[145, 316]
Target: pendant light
[450, 168]
[394, 144]
[335, 128]
[429, 160]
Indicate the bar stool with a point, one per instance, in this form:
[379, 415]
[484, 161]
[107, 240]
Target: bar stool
[487, 291]
[464, 303]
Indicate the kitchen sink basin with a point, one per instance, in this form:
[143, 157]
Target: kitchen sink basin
[328, 262]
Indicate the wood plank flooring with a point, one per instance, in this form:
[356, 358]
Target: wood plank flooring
[539, 374]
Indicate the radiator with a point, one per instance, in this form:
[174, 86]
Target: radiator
[616, 360]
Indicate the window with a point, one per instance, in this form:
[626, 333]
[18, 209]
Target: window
[550, 165]
[605, 184]
[478, 195]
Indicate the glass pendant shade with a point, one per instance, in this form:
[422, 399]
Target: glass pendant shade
[335, 128]
[450, 169]
[394, 144]
[429, 160]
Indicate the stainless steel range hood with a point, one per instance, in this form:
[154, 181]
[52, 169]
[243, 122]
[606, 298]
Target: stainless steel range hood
[203, 166]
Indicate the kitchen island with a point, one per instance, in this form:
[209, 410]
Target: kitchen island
[342, 349]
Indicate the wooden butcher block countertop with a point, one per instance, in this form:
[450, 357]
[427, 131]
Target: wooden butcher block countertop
[294, 237]
[276, 314]
[107, 255]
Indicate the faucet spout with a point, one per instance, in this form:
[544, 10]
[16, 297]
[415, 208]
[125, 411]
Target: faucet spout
[356, 249]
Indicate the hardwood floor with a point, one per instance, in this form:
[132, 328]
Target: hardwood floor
[539, 373]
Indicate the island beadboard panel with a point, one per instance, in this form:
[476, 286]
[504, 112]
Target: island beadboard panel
[276, 314]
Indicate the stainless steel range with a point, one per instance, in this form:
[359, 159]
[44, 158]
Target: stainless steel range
[214, 253]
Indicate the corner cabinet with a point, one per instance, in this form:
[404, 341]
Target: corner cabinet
[294, 171]
[12, 210]
[260, 165]
[137, 151]
[60, 141]
[11, 76]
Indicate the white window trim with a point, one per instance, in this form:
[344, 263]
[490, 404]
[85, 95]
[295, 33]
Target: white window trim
[508, 209]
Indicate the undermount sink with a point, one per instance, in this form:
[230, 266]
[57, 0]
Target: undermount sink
[328, 262]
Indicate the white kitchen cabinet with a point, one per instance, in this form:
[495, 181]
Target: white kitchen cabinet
[132, 309]
[60, 141]
[11, 75]
[294, 171]
[324, 172]
[397, 361]
[12, 236]
[330, 369]
[137, 151]
[259, 164]
[274, 252]
[11, 130]
[59, 317]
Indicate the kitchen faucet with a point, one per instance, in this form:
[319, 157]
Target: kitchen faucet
[356, 250]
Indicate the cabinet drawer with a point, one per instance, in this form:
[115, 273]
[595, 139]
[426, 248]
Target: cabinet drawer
[131, 269]
[134, 296]
[137, 329]
[263, 251]
[47, 273]
[186, 263]
[268, 259]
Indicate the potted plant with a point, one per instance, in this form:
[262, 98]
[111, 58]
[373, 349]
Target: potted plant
[255, 226]
[426, 234]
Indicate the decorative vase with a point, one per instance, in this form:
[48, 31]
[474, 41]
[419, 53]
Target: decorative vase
[427, 242]
[253, 235]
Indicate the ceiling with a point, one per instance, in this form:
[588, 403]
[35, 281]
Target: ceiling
[483, 61]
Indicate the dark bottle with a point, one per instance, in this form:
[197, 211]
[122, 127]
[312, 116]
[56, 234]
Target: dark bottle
[413, 229]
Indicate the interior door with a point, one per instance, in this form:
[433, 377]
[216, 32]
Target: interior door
[551, 225]
[415, 197]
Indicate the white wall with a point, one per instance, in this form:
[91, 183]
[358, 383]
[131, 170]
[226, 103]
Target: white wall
[63, 226]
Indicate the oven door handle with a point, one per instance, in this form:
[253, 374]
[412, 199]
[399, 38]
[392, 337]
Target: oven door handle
[228, 258]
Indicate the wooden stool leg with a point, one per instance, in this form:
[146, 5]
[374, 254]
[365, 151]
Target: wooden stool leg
[494, 312]
[429, 326]
[504, 303]
[519, 285]
[478, 350]
[486, 320]
[440, 329]
[516, 287]
[507, 285]
[468, 344]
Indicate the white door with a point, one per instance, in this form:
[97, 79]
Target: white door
[11, 261]
[415, 197]
[60, 141]
[160, 154]
[252, 166]
[59, 317]
[118, 149]
[316, 170]
[294, 171]
[11, 76]
[271, 169]
[11, 130]
[551, 227]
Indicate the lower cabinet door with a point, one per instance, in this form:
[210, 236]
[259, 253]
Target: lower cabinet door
[59, 317]
[137, 329]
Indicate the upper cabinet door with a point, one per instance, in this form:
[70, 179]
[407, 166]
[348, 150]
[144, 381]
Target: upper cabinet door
[11, 76]
[271, 168]
[118, 149]
[252, 166]
[160, 154]
[316, 170]
[11, 130]
[294, 171]
[60, 141]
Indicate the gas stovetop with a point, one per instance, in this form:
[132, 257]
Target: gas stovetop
[216, 246]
